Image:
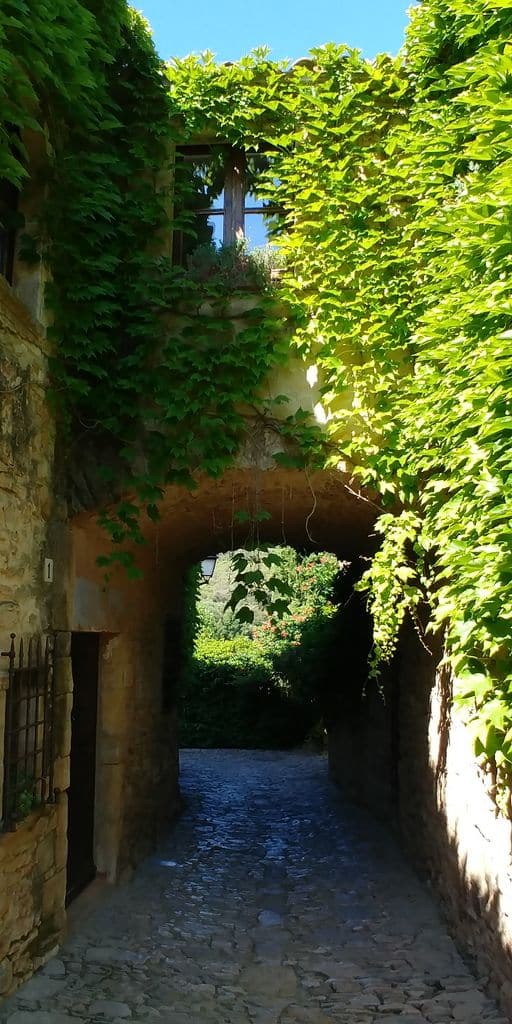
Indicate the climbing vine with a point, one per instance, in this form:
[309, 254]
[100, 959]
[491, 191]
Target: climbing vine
[141, 345]
[394, 182]
[411, 318]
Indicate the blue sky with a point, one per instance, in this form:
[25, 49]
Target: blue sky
[289, 27]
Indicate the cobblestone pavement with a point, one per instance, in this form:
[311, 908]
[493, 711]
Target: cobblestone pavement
[271, 902]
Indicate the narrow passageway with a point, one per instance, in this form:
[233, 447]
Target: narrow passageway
[270, 901]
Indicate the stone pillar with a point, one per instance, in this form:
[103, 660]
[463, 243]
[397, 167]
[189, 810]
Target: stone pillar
[115, 706]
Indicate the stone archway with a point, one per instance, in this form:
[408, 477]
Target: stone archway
[442, 808]
[136, 769]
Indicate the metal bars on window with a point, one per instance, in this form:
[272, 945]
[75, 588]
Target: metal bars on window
[29, 729]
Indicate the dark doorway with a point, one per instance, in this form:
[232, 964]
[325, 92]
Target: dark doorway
[84, 661]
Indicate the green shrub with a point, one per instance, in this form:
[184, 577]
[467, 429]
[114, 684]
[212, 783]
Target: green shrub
[231, 697]
[269, 689]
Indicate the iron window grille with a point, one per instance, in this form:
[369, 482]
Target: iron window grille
[29, 730]
[220, 201]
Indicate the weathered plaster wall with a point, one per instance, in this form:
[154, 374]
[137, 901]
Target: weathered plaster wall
[136, 778]
[412, 757]
[137, 783]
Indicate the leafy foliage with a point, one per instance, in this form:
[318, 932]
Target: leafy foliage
[411, 316]
[51, 53]
[270, 687]
[395, 182]
[140, 344]
[232, 698]
[303, 638]
[216, 616]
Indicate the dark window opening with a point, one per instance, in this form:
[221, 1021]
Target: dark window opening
[9, 218]
[220, 200]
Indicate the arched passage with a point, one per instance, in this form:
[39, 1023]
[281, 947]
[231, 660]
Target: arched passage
[402, 755]
[317, 511]
[136, 745]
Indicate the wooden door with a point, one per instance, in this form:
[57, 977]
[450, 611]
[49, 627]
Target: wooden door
[84, 660]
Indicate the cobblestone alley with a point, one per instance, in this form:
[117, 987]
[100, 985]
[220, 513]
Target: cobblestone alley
[269, 902]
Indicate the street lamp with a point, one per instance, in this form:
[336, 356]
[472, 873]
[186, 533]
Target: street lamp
[208, 567]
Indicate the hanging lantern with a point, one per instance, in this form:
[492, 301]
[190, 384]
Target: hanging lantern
[208, 567]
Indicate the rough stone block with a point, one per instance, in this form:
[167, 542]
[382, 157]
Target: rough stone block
[54, 968]
[62, 644]
[5, 976]
[267, 980]
[46, 853]
[305, 1015]
[61, 774]
[63, 709]
[54, 892]
[40, 987]
[21, 925]
[269, 919]
[110, 1009]
[111, 955]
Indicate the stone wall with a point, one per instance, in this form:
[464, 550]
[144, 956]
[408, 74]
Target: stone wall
[33, 857]
[411, 757]
[32, 892]
[27, 501]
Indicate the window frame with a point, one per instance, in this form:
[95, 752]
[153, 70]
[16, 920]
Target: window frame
[235, 209]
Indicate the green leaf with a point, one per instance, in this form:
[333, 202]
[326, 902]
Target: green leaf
[244, 614]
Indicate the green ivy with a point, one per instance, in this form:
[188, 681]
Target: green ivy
[140, 346]
[395, 182]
